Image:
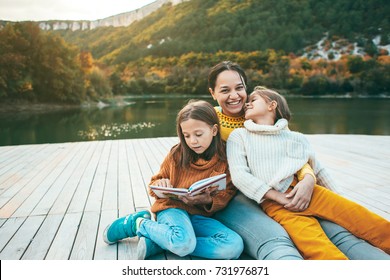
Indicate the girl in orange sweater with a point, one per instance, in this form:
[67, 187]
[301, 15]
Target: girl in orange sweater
[183, 226]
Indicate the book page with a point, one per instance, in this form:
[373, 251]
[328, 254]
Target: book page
[168, 192]
[217, 182]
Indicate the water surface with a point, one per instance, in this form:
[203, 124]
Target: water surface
[155, 117]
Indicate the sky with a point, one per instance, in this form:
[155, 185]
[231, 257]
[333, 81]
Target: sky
[40, 10]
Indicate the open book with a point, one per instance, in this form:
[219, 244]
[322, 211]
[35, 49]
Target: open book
[218, 182]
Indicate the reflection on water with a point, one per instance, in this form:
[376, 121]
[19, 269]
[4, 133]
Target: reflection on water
[156, 118]
[112, 131]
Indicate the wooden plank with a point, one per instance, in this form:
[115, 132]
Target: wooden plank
[17, 181]
[151, 152]
[363, 146]
[140, 195]
[104, 251]
[62, 244]
[84, 244]
[143, 157]
[125, 195]
[95, 196]
[11, 153]
[110, 195]
[80, 197]
[168, 142]
[49, 198]
[7, 151]
[41, 243]
[39, 191]
[354, 162]
[21, 240]
[28, 186]
[8, 230]
[63, 200]
[18, 169]
[67, 193]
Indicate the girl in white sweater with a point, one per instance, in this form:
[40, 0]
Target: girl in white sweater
[263, 158]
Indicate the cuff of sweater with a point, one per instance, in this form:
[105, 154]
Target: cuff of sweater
[306, 169]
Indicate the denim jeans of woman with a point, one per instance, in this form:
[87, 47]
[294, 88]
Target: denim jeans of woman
[265, 239]
[183, 234]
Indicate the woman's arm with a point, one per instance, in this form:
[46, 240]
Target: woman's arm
[306, 170]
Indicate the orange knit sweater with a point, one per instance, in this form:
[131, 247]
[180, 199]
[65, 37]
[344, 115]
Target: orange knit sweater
[183, 178]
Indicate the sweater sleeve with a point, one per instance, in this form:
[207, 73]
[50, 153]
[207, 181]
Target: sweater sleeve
[306, 169]
[242, 178]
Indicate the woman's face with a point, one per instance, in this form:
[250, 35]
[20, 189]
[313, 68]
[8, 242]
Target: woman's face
[230, 93]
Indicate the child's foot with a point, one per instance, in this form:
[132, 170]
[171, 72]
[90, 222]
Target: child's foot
[124, 227]
[147, 248]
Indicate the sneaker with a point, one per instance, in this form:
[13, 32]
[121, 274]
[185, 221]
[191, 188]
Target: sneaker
[123, 227]
[146, 248]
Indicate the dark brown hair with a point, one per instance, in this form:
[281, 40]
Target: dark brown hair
[223, 66]
[205, 112]
[282, 110]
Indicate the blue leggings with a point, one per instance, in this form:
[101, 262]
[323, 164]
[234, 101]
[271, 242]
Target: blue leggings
[183, 234]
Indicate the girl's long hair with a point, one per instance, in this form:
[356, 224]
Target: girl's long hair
[201, 111]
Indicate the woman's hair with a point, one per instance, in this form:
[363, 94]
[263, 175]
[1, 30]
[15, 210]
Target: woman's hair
[201, 111]
[282, 110]
[223, 66]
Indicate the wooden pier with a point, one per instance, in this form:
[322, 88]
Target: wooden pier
[56, 199]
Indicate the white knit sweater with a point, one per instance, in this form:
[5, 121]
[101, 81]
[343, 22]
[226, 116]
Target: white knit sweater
[262, 157]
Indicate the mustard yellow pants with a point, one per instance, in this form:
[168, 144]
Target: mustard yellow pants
[307, 234]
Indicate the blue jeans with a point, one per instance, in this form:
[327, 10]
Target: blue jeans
[265, 239]
[183, 234]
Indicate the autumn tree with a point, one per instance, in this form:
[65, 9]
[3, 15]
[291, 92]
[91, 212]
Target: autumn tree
[38, 66]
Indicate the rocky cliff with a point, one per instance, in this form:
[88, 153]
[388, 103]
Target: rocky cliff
[123, 19]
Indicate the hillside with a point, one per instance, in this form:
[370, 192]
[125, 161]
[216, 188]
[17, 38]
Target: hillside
[233, 25]
[300, 47]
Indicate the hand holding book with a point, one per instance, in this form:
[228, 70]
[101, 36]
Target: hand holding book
[215, 183]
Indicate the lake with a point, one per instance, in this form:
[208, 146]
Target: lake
[155, 117]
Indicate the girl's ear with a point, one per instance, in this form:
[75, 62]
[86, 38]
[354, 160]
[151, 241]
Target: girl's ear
[215, 129]
[212, 93]
[273, 105]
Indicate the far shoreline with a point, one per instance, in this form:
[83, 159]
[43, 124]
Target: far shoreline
[119, 101]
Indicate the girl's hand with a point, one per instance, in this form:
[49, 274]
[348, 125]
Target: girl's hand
[301, 194]
[202, 198]
[282, 199]
[165, 183]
